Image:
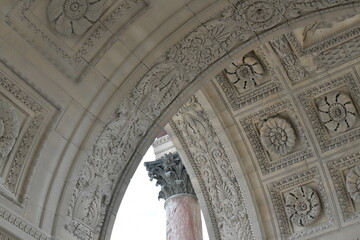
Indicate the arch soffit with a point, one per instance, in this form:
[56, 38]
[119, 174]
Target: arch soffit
[150, 104]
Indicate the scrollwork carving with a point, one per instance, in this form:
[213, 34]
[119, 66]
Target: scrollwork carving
[337, 112]
[73, 17]
[303, 206]
[277, 136]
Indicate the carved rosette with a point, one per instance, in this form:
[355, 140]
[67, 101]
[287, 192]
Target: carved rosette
[353, 183]
[245, 74]
[337, 112]
[258, 15]
[74, 17]
[302, 206]
[9, 128]
[171, 175]
[277, 136]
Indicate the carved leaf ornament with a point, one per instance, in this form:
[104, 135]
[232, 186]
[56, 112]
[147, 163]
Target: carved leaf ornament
[277, 136]
[9, 128]
[353, 183]
[73, 17]
[337, 112]
[303, 206]
[247, 74]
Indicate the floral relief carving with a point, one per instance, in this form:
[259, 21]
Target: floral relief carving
[211, 162]
[74, 17]
[257, 15]
[9, 128]
[353, 183]
[346, 195]
[277, 136]
[303, 206]
[245, 74]
[337, 112]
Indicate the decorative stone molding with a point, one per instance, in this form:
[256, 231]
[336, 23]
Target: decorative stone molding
[22, 225]
[308, 99]
[338, 170]
[9, 128]
[4, 236]
[302, 206]
[170, 175]
[292, 184]
[42, 113]
[74, 63]
[353, 183]
[337, 112]
[214, 171]
[267, 163]
[277, 136]
[74, 17]
[246, 74]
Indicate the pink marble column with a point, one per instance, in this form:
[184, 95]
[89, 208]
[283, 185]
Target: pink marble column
[183, 218]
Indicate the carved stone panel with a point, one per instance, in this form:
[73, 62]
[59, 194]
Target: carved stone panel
[341, 171]
[74, 17]
[25, 119]
[299, 212]
[214, 171]
[313, 100]
[274, 153]
[57, 37]
[267, 82]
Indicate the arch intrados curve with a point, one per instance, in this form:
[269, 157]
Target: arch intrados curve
[153, 122]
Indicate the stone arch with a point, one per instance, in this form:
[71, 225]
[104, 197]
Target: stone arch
[176, 75]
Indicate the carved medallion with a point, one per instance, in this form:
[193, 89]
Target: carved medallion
[245, 74]
[337, 112]
[302, 206]
[277, 136]
[353, 183]
[9, 128]
[74, 17]
[259, 15]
